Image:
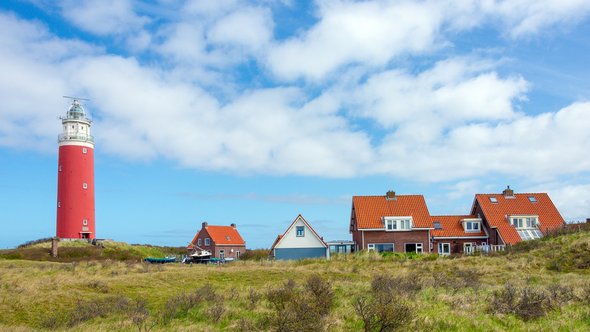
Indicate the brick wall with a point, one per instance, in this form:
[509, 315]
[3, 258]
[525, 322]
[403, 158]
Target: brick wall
[456, 244]
[399, 239]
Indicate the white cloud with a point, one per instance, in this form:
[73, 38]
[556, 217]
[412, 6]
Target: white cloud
[357, 32]
[105, 17]
[453, 91]
[572, 200]
[250, 28]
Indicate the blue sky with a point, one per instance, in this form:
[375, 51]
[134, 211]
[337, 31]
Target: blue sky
[252, 112]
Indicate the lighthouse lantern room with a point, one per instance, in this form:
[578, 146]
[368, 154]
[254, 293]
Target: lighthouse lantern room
[75, 176]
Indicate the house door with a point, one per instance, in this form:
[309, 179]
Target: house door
[221, 254]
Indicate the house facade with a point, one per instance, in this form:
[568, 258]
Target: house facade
[224, 242]
[299, 241]
[457, 234]
[510, 218]
[390, 223]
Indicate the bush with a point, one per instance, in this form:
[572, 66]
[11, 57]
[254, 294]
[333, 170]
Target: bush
[181, 304]
[382, 309]
[255, 255]
[296, 309]
[527, 303]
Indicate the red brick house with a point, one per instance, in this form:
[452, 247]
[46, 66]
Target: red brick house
[390, 223]
[457, 234]
[510, 218]
[222, 241]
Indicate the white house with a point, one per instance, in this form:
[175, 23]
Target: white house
[299, 241]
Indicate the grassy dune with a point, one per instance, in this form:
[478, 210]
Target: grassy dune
[540, 285]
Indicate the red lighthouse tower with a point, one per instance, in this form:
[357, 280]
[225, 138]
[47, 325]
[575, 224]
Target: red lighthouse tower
[75, 176]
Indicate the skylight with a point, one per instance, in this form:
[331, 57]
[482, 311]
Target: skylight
[437, 225]
[530, 234]
[227, 237]
[493, 199]
[532, 199]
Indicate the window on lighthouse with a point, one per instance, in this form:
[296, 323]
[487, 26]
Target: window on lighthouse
[84, 150]
[84, 185]
[85, 222]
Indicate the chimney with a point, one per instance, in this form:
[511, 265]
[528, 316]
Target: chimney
[390, 195]
[508, 192]
[205, 224]
[233, 226]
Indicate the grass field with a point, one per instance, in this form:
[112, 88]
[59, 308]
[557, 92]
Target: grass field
[540, 285]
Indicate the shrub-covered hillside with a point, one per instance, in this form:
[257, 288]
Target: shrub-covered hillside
[535, 286]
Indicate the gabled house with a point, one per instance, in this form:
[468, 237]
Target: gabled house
[224, 242]
[457, 234]
[511, 218]
[299, 241]
[390, 223]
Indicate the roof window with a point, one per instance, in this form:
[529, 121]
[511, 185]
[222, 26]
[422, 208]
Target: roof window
[493, 199]
[533, 199]
[227, 237]
[437, 225]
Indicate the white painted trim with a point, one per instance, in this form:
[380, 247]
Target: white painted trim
[85, 144]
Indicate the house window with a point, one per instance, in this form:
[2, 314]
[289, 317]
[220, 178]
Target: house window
[493, 199]
[84, 150]
[414, 247]
[380, 247]
[199, 242]
[221, 254]
[85, 222]
[84, 185]
[524, 222]
[207, 241]
[527, 227]
[300, 231]
[472, 226]
[238, 254]
[398, 224]
[444, 249]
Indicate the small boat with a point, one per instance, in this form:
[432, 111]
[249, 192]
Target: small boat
[160, 260]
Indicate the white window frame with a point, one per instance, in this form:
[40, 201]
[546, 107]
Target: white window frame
[84, 150]
[441, 246]
[398, 224]
[419, 247]
[300, 228]
[207, 241]
[472, 226]
[85, 222]
[468, 244]
[85, 185]
[522, 222]
[373, 246]
[199, 242]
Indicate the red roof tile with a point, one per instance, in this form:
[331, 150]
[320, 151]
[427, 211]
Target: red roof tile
[370, 210]
[452, 227]
[221, 235]
[497, 213]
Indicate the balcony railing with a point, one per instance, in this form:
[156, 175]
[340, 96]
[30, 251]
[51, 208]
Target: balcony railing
[484, 249]
[82, 138]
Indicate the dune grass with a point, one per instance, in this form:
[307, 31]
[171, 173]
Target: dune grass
[549, 289]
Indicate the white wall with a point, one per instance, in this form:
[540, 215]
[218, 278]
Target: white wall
[290, 239]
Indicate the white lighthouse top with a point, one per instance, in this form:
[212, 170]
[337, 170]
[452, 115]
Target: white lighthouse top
[76, 126]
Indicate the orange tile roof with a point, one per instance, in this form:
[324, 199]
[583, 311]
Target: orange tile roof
[221, 235]
[452, 227]
[370, 210]
[496, 213]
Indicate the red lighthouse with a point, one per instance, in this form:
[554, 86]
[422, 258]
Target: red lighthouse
[75, 176]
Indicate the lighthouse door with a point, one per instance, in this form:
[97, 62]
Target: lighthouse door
[85, 235]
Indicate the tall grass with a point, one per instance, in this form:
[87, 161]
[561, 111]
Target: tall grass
[518, 290]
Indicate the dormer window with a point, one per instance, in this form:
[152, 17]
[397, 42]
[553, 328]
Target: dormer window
[398, 223]
[473, 225]
[526, 226]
